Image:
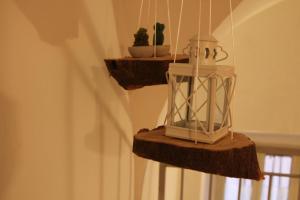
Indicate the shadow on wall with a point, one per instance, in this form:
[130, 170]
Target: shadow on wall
[98, 139]
[56, 21]
[9, 143]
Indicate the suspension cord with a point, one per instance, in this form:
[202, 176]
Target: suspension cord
[210, 16]
[197, 64]
[169, 24]
[140, 15]
[232, 31]
[148, 12]
[233, 50]
[155, 21]
[178, 30]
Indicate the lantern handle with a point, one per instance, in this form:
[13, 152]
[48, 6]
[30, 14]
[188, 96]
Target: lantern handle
[223, 51]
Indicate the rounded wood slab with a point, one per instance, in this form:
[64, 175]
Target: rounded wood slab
[227, 157]
[133, 73]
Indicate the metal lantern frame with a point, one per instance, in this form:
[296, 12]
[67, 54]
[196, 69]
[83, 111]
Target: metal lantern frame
[209, 79]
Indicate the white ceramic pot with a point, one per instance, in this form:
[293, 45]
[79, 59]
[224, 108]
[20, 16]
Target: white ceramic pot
[162, 50]
[141, 51]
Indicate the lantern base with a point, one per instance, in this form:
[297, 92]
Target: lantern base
[199, 135]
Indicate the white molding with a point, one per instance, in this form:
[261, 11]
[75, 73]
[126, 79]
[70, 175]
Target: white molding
[277, 143]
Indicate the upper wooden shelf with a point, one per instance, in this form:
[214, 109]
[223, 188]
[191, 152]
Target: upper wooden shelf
[227, 157]
[132, 73]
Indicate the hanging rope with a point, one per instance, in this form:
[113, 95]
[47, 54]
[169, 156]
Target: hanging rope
[198, 36]
[197, 63]
[169, 24]
[155, 21]
[233, 50]
[148, 12]
[210, 13]
[210, 31]
[232, 31]
[178, 30]
[140, 15]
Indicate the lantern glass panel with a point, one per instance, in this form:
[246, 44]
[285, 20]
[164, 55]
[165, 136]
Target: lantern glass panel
[180, 93]
[200, 104]
[222, 95]
[190, 102]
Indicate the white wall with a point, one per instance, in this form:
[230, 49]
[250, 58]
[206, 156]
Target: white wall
[267, 64]
[65, 129]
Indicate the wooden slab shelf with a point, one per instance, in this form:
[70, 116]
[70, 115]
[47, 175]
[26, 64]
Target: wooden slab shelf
[132, 73]
[227, 157]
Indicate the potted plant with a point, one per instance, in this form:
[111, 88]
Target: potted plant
[158, 40]
[141, 48]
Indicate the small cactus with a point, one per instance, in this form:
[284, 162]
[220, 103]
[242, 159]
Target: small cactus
[141, 37]
[158, 36]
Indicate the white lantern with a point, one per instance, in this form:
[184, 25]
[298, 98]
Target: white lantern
[200, 96]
